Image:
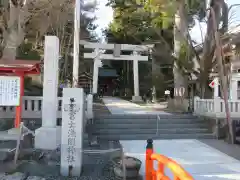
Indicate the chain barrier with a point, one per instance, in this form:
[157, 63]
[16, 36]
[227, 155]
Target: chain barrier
[23, 131]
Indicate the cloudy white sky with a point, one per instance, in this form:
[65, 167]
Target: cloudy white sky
[105, 16]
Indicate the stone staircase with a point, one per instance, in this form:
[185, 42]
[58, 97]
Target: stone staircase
[141, 127]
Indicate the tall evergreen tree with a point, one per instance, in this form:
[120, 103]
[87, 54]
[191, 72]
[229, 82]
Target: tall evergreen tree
[161, 22]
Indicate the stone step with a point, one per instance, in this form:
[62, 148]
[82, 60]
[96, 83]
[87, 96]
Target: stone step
[149, 125]
[5, 136]
[16, 176]
[153, 136]
[149, 121]
[150, 131]
[10, 135]
[147, 116]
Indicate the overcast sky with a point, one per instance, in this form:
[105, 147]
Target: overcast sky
[104, 15]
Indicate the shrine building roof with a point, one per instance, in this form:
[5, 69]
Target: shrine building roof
[18, 63]
[12, 66]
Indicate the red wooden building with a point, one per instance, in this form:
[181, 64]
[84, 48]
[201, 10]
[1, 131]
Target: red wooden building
[107, 80]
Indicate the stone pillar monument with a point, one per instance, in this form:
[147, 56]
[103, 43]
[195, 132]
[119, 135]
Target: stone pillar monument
[47, 136]
[73, 117]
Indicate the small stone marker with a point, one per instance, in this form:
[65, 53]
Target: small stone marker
[89, 106]
[72, 131]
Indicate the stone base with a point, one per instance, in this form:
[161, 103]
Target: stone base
[47, 138]
[137, 99]
[14, 131]
[26, 141]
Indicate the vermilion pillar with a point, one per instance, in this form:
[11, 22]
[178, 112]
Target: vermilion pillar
[19, 107]
[149, 161]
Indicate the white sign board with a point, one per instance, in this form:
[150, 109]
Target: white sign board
[167, 92]
[179, 91]
[72, 131]
[9, 91]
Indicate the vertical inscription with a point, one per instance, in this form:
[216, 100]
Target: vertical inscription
[72, 108]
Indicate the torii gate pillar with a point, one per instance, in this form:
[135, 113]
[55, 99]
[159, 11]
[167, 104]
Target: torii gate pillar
[136, 97]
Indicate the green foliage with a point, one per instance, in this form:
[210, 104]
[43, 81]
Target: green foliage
[197, 8]
[162, 13]
[25, 51]
[133, 22]
[137, 21]
[184, 60]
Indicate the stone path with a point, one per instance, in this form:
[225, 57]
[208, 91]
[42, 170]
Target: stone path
[120, 106]
[203, 162]
[99, 108]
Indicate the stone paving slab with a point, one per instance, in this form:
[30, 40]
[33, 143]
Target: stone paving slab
[200, 160]
[99, 108]
[35, 178]
[232, 150]
[120, 106]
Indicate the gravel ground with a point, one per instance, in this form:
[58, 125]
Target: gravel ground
[33, 164]
[39, 164]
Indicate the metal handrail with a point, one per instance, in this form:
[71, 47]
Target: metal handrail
[158, 119]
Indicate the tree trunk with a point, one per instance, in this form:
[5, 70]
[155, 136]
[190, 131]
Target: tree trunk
[154, 72]
[180, 31]
[11, 35]
[223, 79]
[10, 50]
[209, 43]
[15, 31]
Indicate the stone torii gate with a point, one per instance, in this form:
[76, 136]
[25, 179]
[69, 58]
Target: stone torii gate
[97, 56]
